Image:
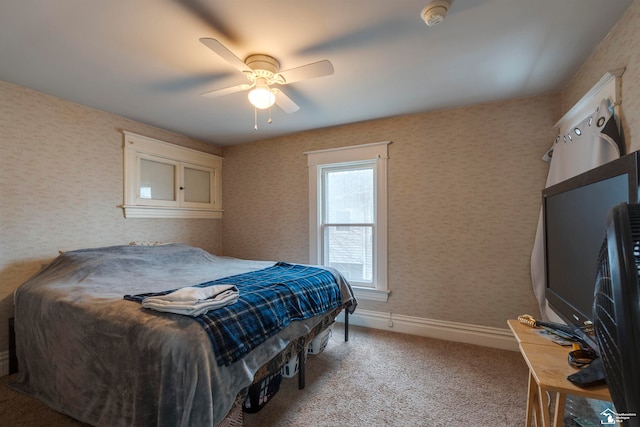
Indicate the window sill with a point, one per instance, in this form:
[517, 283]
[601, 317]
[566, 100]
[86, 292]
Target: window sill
[370, 294]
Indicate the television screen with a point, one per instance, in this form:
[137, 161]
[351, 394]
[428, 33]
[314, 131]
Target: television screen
[575, 213]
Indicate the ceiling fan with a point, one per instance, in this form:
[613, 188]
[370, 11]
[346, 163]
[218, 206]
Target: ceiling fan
[263, 72]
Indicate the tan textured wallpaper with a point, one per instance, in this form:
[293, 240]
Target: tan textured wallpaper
[464, 191]
[61, 180]
[621, 48]
[464, 198]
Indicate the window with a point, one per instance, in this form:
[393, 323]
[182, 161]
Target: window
[348, 215]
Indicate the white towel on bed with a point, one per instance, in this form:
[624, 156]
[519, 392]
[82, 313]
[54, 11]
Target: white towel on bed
[192, 301]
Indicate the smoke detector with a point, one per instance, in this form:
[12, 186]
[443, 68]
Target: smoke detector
[435, 12]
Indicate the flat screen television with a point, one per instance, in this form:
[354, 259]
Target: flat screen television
[575, 221]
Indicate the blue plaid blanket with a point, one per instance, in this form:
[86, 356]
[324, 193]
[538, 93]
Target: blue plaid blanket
[269, 300]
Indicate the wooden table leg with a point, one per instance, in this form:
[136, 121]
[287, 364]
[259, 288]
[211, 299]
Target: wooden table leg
[544, 407]
[531, 400]
[558, 418]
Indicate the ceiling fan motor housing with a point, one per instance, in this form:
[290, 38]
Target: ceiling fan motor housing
[264, 66]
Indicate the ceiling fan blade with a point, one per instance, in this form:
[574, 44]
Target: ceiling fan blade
[225, 53]
[284, 102]
[309, 71]
[210, 15]
[226, 91]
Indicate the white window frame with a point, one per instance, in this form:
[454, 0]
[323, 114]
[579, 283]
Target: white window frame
[377, 154]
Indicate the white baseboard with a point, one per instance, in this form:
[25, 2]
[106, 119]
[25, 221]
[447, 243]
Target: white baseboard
[452, 331]
[4, 363]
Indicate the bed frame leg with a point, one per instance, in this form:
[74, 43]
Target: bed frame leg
[346, 325]
[302, 366]
[302, 359]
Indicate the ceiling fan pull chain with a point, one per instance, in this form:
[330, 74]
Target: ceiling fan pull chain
[255, 118]
[269, 121]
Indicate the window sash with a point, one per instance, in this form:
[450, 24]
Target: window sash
[348, 167]
[354, 256]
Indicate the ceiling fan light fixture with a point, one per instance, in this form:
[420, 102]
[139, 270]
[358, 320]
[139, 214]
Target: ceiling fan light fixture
[261, 96]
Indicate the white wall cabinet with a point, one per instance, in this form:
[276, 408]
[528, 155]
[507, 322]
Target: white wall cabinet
[163, 180]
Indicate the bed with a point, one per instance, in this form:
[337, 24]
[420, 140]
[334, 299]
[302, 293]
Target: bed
[87, 351]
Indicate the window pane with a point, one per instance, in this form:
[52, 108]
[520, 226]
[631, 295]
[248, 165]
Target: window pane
[157, 180]
[349, 249]
[349, 196]
[197, 185]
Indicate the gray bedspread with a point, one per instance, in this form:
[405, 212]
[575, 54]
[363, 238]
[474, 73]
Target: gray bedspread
[85, 351]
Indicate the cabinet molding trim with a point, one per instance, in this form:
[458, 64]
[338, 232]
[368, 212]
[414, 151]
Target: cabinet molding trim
[153, 212]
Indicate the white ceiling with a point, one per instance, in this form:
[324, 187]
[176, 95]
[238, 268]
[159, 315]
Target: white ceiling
[142, 59]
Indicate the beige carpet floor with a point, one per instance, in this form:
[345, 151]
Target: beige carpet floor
[381, 378]
[378, 378]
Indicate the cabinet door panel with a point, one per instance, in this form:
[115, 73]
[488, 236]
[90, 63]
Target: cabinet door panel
[157, 182]
[197, 185]
[198, 190]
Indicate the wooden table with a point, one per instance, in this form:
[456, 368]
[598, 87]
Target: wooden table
[548, 371]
